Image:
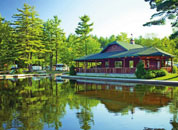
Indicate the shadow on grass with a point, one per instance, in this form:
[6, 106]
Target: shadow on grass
[171, 78]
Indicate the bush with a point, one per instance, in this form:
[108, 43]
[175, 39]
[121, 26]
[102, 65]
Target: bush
[155, 73]
[140, 70]
[149, 74]
[19, 71]
[72, 70]
[174, 69]
[160, 73]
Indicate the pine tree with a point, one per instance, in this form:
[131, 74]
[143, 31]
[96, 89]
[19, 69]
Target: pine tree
[7, 44]
[83, 30]
[29, 30]
[166, 9]
[58, 34]
[54, 38]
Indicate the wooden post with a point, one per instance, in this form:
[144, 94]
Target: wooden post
[95, 66]
[167, 62]
[124, 65]
[171, 65]
[164, 62]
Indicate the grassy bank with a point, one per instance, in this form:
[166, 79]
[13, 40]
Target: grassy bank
[172, 77]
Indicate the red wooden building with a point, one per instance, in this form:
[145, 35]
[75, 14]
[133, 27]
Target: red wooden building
[122, 58]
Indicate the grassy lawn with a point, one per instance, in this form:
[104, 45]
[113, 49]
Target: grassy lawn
[173, 77]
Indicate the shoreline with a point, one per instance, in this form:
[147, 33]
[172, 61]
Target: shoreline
[19, 76]
[143, 81]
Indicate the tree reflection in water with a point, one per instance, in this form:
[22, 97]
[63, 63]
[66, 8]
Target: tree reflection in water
[32, 103]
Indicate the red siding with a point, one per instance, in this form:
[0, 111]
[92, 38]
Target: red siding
[114, 48]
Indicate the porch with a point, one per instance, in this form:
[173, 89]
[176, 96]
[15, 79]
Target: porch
[125, 65]
[124, 70]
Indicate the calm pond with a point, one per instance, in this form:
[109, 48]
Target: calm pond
[47, 104]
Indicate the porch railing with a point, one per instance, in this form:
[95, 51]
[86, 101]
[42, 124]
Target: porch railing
[107, 70]
[126, 70]
[169, 68]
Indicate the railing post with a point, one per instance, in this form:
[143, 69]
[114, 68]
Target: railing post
[171, 65]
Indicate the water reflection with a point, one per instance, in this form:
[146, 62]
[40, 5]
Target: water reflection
[119, 98]
[44, 103]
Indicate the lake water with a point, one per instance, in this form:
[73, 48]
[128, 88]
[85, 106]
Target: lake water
[47, 104]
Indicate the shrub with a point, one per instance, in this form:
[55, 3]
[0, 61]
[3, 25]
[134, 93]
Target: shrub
[174, 69]
[160, 73]
[19, 71]
[155, 73]
[140, 70]
[72, 70]
[149, 74]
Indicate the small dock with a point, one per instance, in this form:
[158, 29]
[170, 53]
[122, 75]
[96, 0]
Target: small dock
[20, 76]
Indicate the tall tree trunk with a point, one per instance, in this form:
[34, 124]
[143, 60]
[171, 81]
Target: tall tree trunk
[30, 65]
[51, 61]
[56, 56]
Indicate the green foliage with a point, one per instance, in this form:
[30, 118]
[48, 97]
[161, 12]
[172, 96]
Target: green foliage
[83, 30]
[71, 51]
[149, 74]
[8, 51]
[174, 69]
[29, 40]
[155, 73]
[161, 72]
[53, 38]
[164, 44]
[122, 37]
[166, 9]
[140, 70]
[19, 71]
[72, 70]
[28, 29]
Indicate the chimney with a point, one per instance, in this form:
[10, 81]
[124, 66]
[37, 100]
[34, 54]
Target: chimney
[132, 40]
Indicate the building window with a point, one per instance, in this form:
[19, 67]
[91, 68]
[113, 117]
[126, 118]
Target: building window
[131, 64]
[98, 64]
[107, 64]
[118, 64]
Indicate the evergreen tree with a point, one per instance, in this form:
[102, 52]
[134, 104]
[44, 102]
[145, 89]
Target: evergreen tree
[7, 44]
[29, 30]
[53, 37]
[166, 9]
[59, 36]
[83, 30]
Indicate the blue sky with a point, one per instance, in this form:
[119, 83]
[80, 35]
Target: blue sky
[109, 16]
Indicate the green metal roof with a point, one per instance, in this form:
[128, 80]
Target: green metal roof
[126, 46]
[136, 51]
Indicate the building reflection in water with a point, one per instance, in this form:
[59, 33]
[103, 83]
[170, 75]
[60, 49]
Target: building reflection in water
[125, 97]
[119, 97]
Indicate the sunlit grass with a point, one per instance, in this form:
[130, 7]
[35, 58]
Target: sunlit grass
[173, 77]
